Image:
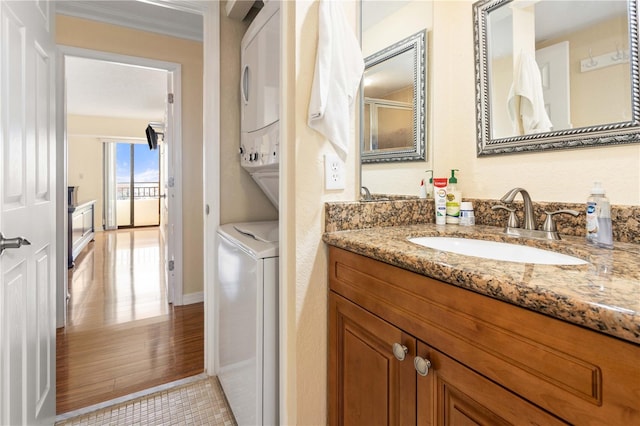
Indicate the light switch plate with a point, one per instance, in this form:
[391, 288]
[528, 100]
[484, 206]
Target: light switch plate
[333, 172]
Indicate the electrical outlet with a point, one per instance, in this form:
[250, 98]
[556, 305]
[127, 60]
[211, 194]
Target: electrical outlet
[333, 172]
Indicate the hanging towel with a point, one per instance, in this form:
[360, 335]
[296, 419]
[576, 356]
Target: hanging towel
[526, 96]
[339, 68]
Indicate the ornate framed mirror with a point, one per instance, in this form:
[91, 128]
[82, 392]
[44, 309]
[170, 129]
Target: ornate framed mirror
[393, 119]
[554, 74]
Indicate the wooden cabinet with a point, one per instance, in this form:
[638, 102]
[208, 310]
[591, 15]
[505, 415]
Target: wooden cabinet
[492, 363]
[373, 387]
[80, 229]
[451, 394]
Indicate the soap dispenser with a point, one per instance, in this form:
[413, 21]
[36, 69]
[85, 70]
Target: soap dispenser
[429, 186]
[454, 198]
[599, 232]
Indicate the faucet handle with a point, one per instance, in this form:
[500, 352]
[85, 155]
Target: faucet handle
[513, 220]
[550, 224]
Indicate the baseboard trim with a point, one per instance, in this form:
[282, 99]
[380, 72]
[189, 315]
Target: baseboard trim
[191, 298]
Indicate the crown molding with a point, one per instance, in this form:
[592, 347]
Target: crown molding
[117, 13]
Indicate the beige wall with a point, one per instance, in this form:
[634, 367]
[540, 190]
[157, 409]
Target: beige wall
[303, 254]
[85, 172]
[110, 38]
[549, 176]
[401, 178]
[614, 97]
[85, 157]
[241, 199]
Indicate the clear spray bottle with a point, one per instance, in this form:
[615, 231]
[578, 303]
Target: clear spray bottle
[599, 232]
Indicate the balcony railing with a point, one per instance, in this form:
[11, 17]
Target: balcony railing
[141, 190]
[145, 203]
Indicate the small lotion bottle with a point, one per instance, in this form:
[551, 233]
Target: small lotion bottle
[422, 192]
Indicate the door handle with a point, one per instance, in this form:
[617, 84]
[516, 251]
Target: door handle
[7, 243]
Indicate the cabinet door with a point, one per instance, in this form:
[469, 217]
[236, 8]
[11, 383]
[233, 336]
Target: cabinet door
[368, 385]
[87, 221]
[452, 394]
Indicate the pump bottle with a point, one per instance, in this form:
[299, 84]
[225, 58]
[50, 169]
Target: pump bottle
[429, 185]
[599, 232]
[454, 198]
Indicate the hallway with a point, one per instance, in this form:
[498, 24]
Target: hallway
[122, 336]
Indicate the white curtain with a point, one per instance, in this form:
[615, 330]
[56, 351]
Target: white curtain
[110, 202]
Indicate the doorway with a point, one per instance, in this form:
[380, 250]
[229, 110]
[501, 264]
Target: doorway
[169, 181]
[138, 184]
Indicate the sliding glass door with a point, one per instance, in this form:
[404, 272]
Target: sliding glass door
[137, 185]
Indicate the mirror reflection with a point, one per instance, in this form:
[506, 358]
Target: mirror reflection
[555, 74]
[388, 104]
[393, 110]
[571, 58]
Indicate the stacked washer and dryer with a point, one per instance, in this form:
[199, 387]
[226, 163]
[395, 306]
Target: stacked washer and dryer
[247, 288]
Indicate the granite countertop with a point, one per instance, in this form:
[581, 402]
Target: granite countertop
[603, 295]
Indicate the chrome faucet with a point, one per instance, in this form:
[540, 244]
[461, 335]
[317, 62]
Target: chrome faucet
[367, 195]
[549, 230]
[529, 215]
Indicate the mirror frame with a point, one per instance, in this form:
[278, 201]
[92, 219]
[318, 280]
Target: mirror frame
[600, 135]
[415, 43]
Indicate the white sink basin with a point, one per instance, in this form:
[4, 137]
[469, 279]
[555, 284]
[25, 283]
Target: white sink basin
[497, 251]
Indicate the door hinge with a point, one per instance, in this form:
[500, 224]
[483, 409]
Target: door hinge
[170, 98]
[172, 265]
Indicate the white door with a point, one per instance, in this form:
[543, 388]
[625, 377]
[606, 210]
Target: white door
[27, 209]
[553, 62]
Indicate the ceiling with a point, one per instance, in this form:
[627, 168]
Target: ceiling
[107, 89]
[99, 88]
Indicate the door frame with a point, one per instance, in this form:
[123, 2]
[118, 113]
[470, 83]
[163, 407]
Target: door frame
[174, 71]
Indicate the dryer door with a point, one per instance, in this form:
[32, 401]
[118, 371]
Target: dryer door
[260, 76]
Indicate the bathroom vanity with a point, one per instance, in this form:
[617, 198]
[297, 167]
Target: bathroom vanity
[420, 336]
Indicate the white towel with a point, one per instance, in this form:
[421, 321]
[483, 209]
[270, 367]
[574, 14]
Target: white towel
[339, 68]
[527, 90]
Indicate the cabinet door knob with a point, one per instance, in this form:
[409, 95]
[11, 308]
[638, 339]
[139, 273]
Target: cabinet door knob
[422, 365]
[399, 351]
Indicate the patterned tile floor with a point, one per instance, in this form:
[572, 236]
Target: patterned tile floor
[198, 402]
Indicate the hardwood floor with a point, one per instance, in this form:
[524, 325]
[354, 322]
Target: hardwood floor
[122, 336]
